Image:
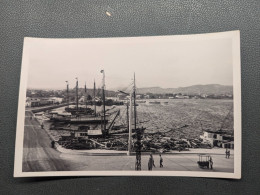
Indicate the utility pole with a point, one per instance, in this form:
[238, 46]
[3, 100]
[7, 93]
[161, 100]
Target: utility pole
[130, 126]
[127, 114]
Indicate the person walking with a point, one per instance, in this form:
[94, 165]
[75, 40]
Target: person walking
[161, 161]
[211, 163]
[228, 155]
[151, 163]
[226, 152]
[52, 143]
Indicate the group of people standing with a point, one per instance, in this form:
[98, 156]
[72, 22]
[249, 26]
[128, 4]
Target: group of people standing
[227, 153]
[151, 162]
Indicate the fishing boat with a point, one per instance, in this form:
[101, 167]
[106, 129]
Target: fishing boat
[80, 110]
[107, 128]
[87, 115]
[102, 119]
[57, 116]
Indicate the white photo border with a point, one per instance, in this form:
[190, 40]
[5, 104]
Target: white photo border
[234, 35]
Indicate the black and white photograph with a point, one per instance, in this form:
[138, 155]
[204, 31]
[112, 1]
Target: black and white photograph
[153, 106]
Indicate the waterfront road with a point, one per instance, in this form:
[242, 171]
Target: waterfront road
[37, 152]
[39, 156]
[171, 162]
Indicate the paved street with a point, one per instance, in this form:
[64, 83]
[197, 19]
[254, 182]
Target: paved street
[37, 152]
[172, 162]
[39, 156]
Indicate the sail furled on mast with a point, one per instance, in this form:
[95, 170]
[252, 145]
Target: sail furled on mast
[77, 96]
[104, 103]
[94, 98]
[134, 94]
[68, 100]
[86, 96]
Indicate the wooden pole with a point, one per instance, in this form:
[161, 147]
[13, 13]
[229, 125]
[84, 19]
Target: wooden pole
[86, 97]
[95, 98]
[134, 103]
[127, 115]
[130, 126]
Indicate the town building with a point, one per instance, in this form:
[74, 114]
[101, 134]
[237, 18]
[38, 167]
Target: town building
[147, 96]
[182, 97]
[57, 100]
[35, 102]
[32, 102]
[113, 98]
[218, 138]
[121, 96]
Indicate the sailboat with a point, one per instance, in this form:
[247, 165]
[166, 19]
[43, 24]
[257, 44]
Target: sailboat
[81, 114]
[76, 114]
[102, 119]
[79, 110]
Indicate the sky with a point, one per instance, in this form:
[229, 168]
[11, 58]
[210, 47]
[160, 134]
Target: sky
[163, 61]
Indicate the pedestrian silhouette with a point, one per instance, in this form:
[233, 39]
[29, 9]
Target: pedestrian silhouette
[151, 163]
[52, 144]
[161, 161]
[226, 152]
[211, 163]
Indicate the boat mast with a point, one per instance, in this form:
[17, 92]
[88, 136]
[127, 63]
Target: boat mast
[86, 96]
[138, 134]
[132, 96]
[129, 120]
[134, 102]
[77, 98]
[130, 125]
[94, 97]
[68, 100]
[103, 97]
[127, 114]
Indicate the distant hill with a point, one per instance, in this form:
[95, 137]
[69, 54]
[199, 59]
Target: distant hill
[194, 89]
[212, 89]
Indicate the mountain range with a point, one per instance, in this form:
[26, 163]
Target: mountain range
[210, 89]
[194, 89]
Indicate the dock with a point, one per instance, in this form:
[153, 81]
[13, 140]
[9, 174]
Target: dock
[45, 108]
